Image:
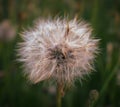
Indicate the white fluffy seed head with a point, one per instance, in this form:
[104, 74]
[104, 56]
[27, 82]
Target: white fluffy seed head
[58, 49]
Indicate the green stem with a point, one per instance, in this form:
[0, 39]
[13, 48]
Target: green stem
[59, 94]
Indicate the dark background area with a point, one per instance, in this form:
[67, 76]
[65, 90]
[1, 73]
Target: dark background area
[104, 16]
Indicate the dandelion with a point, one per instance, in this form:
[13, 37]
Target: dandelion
[59, 50]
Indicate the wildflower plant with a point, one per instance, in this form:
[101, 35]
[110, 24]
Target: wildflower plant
[58, 50]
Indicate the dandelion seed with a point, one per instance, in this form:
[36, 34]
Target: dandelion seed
[57, 49]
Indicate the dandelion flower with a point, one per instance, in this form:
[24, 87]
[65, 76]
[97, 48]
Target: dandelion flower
[58, 49]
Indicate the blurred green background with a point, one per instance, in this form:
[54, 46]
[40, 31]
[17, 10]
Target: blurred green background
[101, 89]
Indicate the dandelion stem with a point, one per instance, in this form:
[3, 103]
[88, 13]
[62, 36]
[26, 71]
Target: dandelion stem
[59, 94]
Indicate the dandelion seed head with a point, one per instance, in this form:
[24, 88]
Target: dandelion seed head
[58, 49]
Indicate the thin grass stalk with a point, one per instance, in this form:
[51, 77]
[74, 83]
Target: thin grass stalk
[110, 77]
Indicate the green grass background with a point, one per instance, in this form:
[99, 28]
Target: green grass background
[104, 16]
